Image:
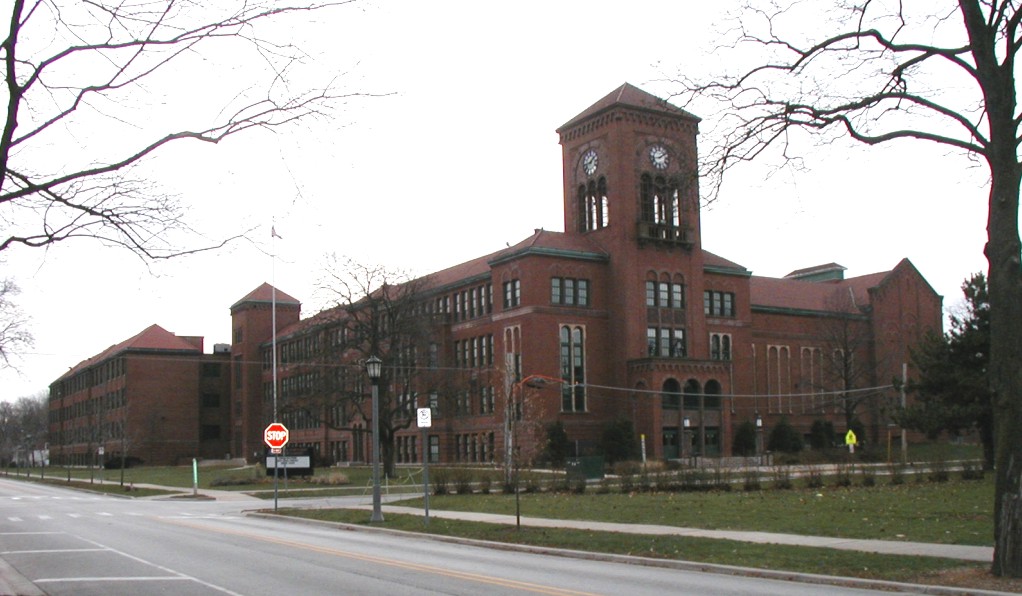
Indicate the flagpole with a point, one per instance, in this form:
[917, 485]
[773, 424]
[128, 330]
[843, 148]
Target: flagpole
[273, 316]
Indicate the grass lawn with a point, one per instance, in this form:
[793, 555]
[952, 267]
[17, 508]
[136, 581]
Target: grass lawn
[954, 512]
[704, 550]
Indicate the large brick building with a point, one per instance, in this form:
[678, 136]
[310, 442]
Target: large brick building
[154, 397]
[623, 316]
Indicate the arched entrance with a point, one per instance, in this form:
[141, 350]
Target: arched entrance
[670, 404]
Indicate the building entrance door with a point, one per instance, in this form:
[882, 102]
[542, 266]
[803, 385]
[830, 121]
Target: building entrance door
[671, 443]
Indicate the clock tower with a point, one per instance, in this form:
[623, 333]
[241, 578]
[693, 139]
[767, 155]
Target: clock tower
[630, 171]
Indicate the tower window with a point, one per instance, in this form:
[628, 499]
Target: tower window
[594, 212]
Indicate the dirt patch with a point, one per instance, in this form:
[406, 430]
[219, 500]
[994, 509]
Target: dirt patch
[971, 577]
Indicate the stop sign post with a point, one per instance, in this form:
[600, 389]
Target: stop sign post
[276, 436]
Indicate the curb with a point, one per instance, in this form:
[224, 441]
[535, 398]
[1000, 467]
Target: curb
[15, 584]
[680, 565]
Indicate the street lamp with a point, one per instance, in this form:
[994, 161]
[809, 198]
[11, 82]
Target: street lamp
[759, 434]
[686, 423]
[373, 368]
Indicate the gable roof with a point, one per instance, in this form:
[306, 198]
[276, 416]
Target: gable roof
[265, 294]
[151, 339]
[629, 95]
[850, 295]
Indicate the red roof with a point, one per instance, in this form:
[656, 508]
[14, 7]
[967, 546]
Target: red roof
[540, 242]
[630, 96]
[838, 295]
[152, 338]
[265, 293]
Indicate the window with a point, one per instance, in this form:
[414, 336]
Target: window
[665, 294]
[568, 291]
[666, 342]
[434, 448]
[719, 304]
[512, 293]
[211, 400]
[720, 346]
[594, 212]
[573, 391]
[211, 370]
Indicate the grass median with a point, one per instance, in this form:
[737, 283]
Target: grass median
[955, 512]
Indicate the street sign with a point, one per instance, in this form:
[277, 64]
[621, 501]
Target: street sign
[425, 417]
[275, 436]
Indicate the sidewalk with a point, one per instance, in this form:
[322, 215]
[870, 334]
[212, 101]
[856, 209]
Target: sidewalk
[982, 554]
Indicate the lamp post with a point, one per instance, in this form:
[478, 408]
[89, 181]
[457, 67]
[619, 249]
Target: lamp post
[373, 368]
[683, 447]
[759, 434]
[512, 455]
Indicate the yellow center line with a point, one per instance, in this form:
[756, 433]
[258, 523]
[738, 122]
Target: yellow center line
[485, 579]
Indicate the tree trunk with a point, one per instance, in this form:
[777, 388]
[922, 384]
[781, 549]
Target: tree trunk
[1003, 253]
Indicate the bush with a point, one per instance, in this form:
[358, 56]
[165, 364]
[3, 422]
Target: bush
[462, 480]
[814, 478]
[750, 480]
[782, 478]
[897, 474]
[843, 476]
[558, 446]
[744, 443]
[784, 438]
[821, 435]
[618, 441]
[440, 479]
[332, 478]
[972, 471]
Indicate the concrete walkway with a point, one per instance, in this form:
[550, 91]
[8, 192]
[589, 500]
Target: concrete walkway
[890, 547]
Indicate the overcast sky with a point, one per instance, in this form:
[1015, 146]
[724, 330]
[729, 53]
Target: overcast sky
[458, 157]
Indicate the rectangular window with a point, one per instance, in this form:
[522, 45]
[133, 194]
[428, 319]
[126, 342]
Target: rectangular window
[512, 293]
[434, 448]
[665, 342]
[719, 304]
[573, 390]
[569, 291]
[650, 293]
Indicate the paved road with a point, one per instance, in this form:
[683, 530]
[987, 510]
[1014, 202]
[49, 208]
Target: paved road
[66, 542]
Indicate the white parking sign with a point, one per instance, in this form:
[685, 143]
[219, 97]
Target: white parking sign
[425, 417]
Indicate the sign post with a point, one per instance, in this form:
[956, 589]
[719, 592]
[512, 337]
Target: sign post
[424, 416]
[275, 436]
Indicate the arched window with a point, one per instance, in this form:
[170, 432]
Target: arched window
[670, 395]
[711, 400]
[593, 205]
[573, 390]
[691, 394]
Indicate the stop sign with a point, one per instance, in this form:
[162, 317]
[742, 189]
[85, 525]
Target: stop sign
[275, 435]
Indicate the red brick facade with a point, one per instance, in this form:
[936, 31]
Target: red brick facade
[154, 397]
[662, 322]
[623, 316]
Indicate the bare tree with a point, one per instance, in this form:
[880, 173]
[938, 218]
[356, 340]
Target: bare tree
[377, 312]
[942, 72]
[14, 334]
[78, 72]
[846, 364]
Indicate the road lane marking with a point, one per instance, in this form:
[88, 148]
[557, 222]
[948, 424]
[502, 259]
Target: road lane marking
[54, 550]
[141, 578]
[158, 566]
[450, 573]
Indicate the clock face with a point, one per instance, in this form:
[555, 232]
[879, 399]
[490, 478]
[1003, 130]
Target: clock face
[658, 157]
[589, 162]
